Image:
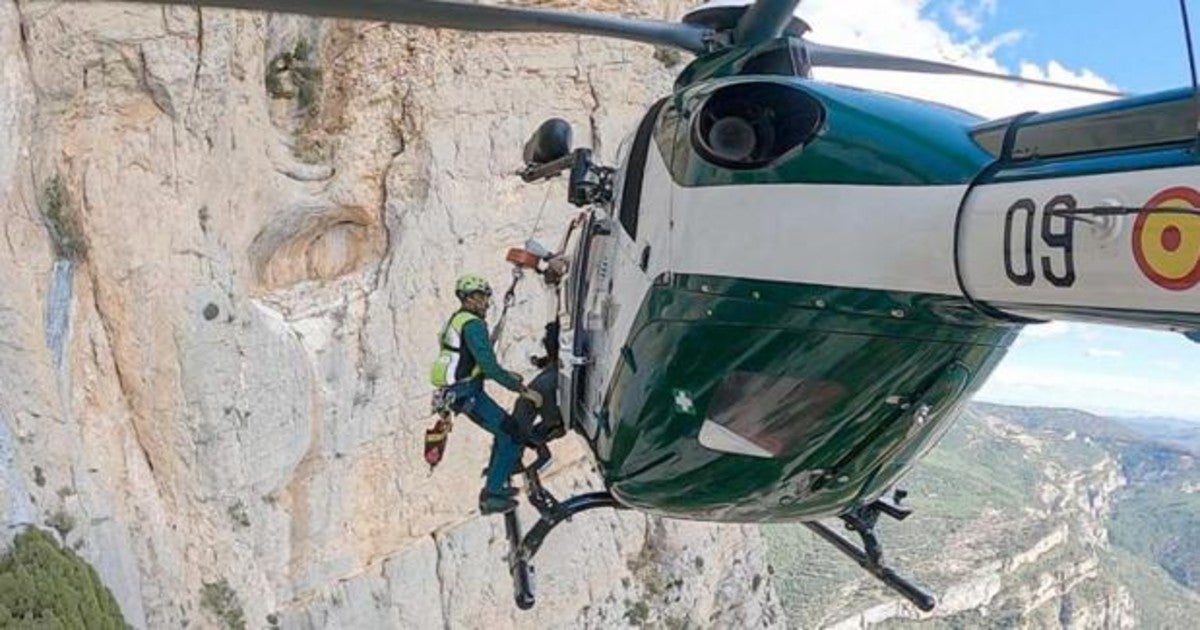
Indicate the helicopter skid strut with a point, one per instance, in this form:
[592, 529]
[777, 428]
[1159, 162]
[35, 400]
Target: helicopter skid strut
[551, 512]
[862, 521]
[523, 547]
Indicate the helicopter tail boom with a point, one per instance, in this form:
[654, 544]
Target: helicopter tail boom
[1090, 214]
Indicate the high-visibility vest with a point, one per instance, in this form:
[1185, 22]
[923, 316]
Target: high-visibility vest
[454, 365]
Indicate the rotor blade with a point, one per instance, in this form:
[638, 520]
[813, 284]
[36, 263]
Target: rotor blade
[838, 57]
[764, 20]
[479, 17]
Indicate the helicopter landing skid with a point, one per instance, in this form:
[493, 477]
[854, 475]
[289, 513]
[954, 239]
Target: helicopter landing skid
[870, 557]
[551, 512]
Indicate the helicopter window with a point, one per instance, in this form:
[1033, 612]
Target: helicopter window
[665, 131]
[631, 191]
[750, 125]
[774, 61]
[1108, 128]
[573, 281]
[766, 415]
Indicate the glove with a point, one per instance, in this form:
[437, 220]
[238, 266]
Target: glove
[555, 270]
[533, 397]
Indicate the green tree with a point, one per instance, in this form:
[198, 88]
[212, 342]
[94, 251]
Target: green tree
[43, 585]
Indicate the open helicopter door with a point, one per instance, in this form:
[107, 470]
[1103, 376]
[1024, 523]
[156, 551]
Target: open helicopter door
[615, 265]
[586, 274]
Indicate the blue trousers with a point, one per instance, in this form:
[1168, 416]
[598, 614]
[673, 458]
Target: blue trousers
[472, 400]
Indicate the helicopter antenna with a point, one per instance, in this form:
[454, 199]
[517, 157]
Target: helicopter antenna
[1187, 33]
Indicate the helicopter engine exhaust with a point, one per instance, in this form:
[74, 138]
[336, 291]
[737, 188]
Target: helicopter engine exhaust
[750, 125]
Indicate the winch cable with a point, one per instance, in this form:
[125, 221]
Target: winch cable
[510, 296]
[541, 212]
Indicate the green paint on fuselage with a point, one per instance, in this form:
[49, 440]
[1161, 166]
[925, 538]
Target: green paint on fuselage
[874, 138]
[852, 350]
[867, 138]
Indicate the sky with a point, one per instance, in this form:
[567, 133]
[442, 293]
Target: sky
[1101, 369]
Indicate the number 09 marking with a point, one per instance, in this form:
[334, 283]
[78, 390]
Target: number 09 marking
[1057, 233]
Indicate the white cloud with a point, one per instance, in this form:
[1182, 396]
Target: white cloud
[1099, 393]
[1104, 353]
[898, 27]
[1047, 330]
[970, 18]
[1055, 71]
[964, 19]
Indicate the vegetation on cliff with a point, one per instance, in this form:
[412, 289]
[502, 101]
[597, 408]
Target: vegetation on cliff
[44, 585]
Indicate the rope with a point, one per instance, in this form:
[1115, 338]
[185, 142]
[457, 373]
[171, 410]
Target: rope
[541, 212]
[510, 298]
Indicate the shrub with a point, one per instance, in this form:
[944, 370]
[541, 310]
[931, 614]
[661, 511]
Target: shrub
[237, 513]
[62, 522]
[295, 74]
[222, 601]
[62, 221]
[44, 585]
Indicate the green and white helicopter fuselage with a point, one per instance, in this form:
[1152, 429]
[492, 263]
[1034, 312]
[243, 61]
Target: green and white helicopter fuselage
[811, 336]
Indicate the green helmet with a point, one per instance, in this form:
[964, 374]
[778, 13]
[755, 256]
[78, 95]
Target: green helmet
[471, 283]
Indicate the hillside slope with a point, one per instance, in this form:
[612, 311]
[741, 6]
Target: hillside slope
[1032, 517]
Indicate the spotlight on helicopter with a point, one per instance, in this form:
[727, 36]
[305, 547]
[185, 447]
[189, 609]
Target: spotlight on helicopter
[548, 152]
[551, 141]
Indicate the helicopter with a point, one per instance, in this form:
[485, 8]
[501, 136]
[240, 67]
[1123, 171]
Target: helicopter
[786, 290]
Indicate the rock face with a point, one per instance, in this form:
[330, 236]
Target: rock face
[227, 245]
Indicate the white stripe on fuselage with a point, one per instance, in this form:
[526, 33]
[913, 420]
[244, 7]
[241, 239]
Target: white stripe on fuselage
[893, 238]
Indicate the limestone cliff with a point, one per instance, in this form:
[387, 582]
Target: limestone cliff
[227, 242]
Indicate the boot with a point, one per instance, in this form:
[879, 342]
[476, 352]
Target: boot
[547, 432]
[496, 504]
[508, 490]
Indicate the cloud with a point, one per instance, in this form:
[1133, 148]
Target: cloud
[1047, 330]
[970, 18]
[1099, 393]
[1104, 353]
[1055, 71]
[898, 27]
